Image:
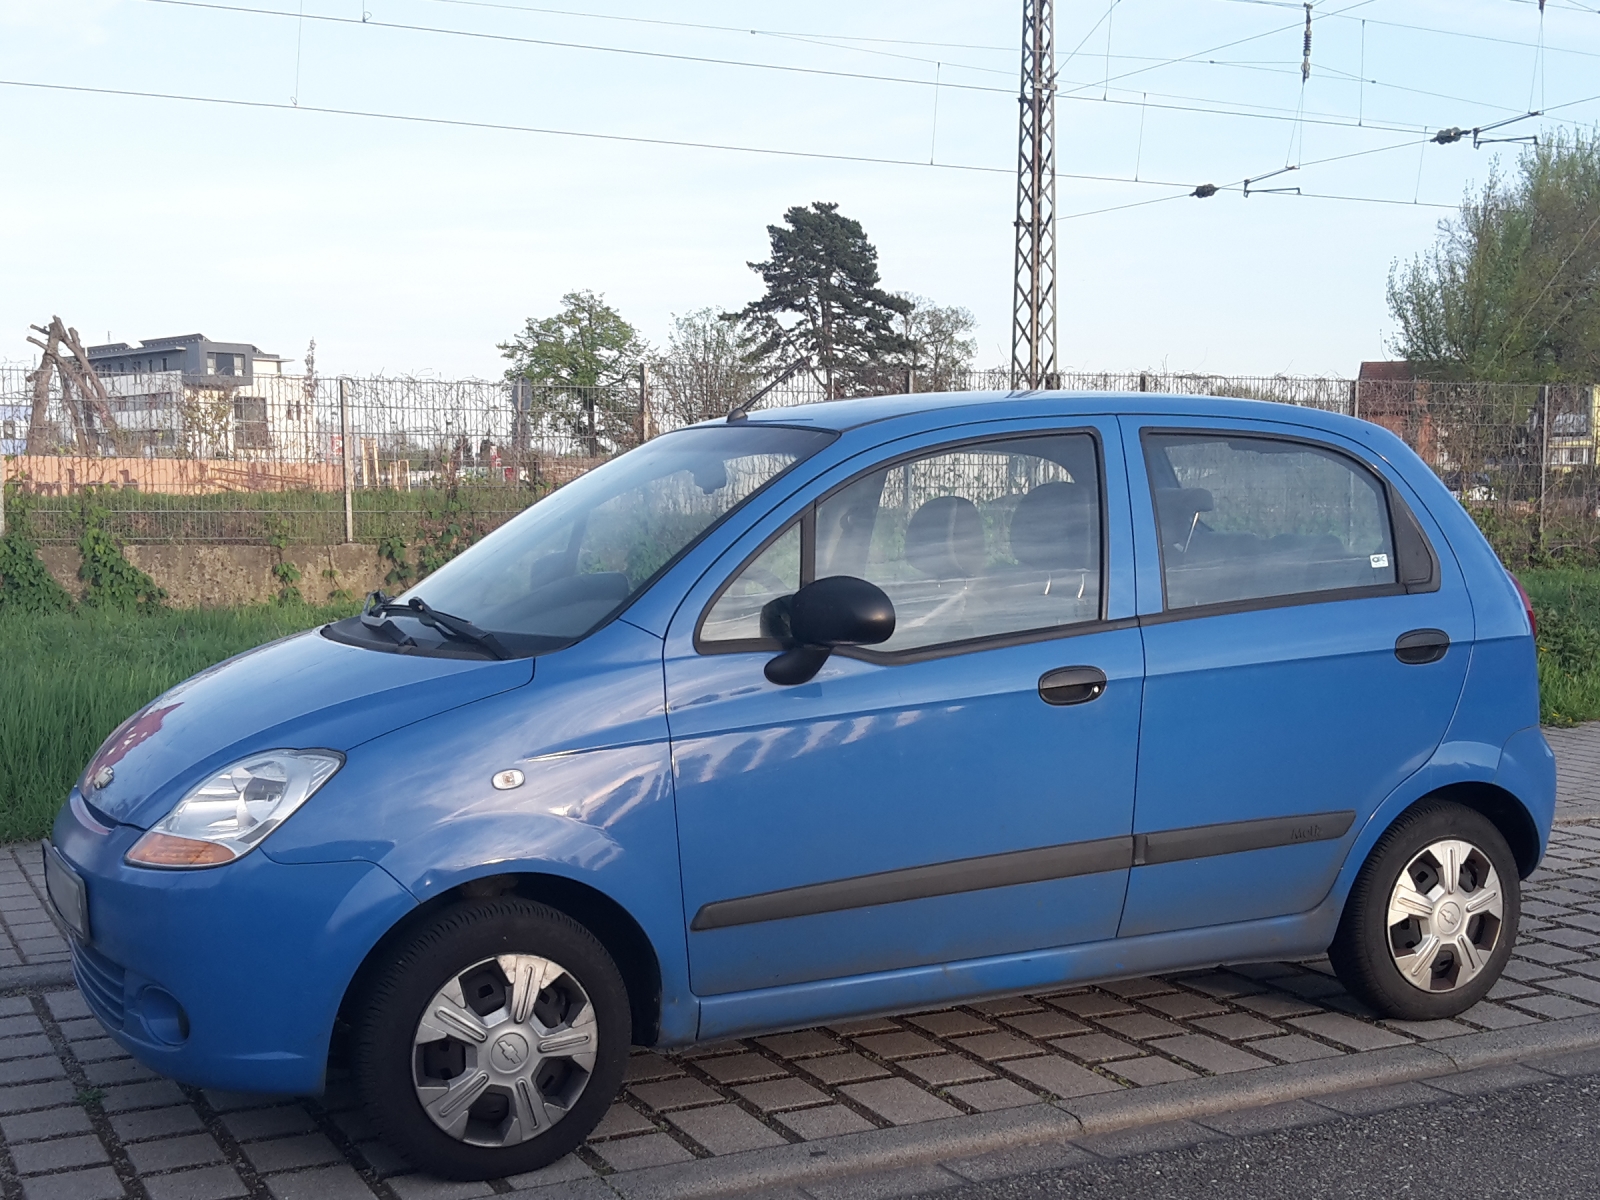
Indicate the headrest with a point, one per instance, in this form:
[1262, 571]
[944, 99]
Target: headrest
[1177, 507]
[944, 538]
[1049, 526]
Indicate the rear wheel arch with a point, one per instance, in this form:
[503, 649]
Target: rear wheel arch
[1502, 808]
[611, 924]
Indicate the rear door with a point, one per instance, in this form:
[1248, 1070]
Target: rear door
[1305, 648]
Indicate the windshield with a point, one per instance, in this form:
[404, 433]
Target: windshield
[553, 573]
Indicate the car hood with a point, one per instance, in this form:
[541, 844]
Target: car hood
[303, 692]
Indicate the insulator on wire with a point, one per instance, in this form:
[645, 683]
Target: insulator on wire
[1445, 136]
[1205, 191]
[1305, 63]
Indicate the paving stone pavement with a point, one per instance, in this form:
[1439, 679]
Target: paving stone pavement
[79, 1120]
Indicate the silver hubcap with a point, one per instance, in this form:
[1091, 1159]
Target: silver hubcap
[504, 1050]
[1445, 915]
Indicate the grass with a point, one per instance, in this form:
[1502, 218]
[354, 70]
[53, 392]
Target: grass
[68, 679]
[1567, 603]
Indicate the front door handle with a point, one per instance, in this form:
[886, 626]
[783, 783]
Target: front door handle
[1072, 685]
[1421, 646]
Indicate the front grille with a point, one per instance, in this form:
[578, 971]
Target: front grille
[101, 982]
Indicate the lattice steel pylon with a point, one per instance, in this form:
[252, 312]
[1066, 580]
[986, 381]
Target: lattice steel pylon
[1033, 325]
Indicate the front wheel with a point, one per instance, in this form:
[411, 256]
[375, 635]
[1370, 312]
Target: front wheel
[493, 1041]
[1432, 917]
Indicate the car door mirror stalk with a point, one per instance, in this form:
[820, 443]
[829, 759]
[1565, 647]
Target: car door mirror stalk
[840, 610]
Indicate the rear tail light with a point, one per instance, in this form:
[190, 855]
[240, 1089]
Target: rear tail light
[1527, 605]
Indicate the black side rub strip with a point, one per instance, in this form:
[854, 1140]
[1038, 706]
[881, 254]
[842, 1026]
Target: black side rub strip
[1022, 866]
[917, 883]
[1233, 837]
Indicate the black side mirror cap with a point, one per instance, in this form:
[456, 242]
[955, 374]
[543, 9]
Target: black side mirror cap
[840, 610]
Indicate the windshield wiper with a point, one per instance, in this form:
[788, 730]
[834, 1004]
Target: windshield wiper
[378, 605]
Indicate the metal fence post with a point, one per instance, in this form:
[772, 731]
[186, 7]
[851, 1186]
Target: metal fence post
[644, 403]
[1544, 452]
[344, 448]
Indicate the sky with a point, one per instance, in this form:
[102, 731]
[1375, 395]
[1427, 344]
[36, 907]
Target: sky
[413, 246]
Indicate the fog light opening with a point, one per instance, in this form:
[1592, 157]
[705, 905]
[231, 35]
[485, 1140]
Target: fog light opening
[164, 1016]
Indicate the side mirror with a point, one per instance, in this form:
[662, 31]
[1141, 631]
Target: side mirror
[838, 611]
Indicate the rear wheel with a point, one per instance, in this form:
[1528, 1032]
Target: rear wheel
[1432, 917]
[493, 1041]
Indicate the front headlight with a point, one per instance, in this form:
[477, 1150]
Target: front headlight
[229, 814]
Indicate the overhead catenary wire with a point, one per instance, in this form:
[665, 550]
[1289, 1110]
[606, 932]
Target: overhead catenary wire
[674, 143]
[1069, 90]
[1143, 100]
[635, 20]
[595, 47]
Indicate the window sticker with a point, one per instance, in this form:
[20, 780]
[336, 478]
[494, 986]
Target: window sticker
[1380, 561]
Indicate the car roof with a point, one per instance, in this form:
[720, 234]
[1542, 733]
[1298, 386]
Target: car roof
[842, 415]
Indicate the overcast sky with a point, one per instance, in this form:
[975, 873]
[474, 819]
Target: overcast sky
[408, 247]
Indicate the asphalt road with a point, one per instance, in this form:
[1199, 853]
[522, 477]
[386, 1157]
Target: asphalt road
[1536, 1141]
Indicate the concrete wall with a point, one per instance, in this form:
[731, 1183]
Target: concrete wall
[199, 576]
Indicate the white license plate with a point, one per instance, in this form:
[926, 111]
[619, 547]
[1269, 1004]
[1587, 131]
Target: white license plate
[67, 891]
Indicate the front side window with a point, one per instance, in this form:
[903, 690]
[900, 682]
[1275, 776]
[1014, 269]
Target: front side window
[985, 540]
[1248, 518]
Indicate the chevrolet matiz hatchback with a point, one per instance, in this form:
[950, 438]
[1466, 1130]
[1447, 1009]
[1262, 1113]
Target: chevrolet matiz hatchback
[822, 712]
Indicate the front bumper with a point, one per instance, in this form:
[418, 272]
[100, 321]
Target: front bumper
[229, 977]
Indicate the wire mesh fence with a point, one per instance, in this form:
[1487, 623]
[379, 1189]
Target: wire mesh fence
[281, 459]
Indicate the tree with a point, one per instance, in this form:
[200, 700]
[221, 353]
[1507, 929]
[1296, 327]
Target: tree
[706, 370]
[578, 363]
[1509, 290]
[938, 350]
[823, 298]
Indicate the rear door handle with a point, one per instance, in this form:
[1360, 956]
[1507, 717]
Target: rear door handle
[1421, 646]
[1072, 685]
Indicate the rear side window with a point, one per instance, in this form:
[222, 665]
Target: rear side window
[1249, 518]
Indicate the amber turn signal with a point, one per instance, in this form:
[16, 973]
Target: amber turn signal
[164, 850]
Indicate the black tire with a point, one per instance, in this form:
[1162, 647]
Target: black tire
[390, 1067]
[1365, 949]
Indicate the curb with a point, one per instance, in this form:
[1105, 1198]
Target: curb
[961, 1137]
[36, 976]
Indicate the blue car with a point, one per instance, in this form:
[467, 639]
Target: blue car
[821, 712]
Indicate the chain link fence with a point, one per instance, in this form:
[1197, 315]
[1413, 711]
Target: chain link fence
[280, 459]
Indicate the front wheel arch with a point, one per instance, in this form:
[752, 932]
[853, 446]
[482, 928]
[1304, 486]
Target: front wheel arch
[612, 925]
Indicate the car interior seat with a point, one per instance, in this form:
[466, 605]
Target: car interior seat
[944, 538]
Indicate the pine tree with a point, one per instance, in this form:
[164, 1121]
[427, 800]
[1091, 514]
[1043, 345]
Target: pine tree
[823, 298]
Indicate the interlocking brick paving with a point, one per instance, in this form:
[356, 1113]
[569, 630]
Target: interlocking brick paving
[80, 1119]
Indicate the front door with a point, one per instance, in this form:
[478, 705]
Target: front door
[926, 800]
[1305, 648]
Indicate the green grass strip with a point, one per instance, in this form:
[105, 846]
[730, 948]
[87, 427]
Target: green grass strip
[68, 679]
